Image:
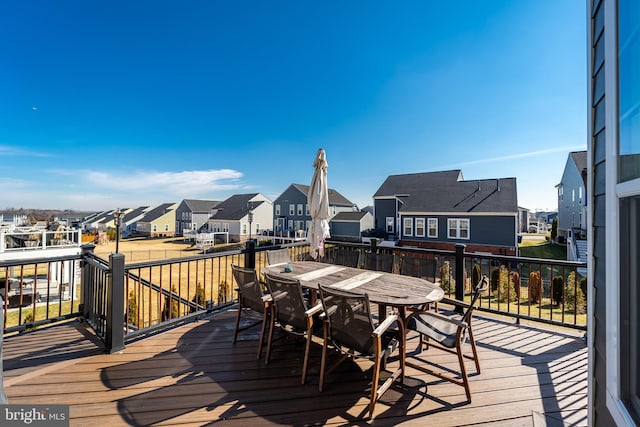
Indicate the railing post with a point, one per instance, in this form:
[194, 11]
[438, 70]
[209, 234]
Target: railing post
[250, 254]
[374, 245]
[114, 337]
[85, 280]
[460, 275]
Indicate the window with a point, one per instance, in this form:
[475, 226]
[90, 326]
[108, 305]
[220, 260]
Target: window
[155, 228]
[277, 210]
[292, 209]
[573, 195]
[300, 209]
[389, 226]
[307, 209]
[257, 228]
[244, 228]
[299, 225]
[433, 228]
[408, 226]
[419, 227]
[166, 227]
[290, 224]
[458, 228]
[225, 227]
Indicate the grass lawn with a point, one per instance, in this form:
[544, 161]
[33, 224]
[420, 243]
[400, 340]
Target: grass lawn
[543, 249]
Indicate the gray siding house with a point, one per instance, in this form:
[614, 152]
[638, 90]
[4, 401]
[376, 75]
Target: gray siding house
[242, 216]
[350, 225]
[439, 210]
[193, 214]
[572, 195]
[291, 209]
[613, 161]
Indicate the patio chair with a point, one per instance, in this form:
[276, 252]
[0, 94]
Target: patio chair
[448, 333]
[251, 300]
[347, 258]
[290, 312]
[379, 262]
[278, 256]
[349, 329]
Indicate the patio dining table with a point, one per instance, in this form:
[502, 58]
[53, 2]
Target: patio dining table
[384, 289]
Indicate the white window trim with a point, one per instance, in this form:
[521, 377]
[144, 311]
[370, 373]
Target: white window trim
[614, 192]
[429, 228]
[424, 227]
[407, 224]
[457, 236]
[292, 209]
[299, 210]
[277, 210]
[386, 225]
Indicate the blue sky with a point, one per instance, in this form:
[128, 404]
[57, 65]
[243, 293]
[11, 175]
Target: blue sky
[122, 104]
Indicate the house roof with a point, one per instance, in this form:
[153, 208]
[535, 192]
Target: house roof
[335, 198]
[349, 216]
[134, 213]
[487, 195]
[580, 160]
[201, 206]
[396, 185]
[236, 207]
[156, 212]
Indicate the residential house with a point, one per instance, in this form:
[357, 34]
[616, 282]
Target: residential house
[10, 219]
[130, 218]
[523, 220]
[613, 231]
[158, 222]
[350, 225]
[572, 195]
[572, 206]
[291, 208]
[242, 216]
[439, 210]
[192, 214]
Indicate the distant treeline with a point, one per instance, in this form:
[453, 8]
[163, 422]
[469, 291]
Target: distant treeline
[47, 214]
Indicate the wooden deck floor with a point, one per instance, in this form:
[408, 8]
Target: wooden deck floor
[193, 375]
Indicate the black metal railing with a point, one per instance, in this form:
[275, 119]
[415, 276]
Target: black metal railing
[124, 301]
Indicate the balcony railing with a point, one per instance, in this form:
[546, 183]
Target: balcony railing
[123, 301]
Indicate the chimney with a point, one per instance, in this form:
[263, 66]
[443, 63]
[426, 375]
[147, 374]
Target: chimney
[498, 183]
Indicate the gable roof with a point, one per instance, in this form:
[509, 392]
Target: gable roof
[355, 216]
[486, 195]
[580, 160]
[396, 185]
[236, 207]
[156, 212]
[335, 198]
[134, 213]
[201, 206]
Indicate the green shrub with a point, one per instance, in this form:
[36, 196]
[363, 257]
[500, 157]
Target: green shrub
[476, 275]
[554, 228]
[574, 297]
[508, 285]
[172, 301]
[446, 281]
[556, 290]
[495, 280]
[132, 308]
[535, 287]
[199, 297]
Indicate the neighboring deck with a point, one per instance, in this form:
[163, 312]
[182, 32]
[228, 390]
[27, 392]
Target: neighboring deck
[193, 375]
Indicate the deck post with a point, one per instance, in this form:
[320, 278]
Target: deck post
[250, 254]
[3, 395]
[114, 337]
[86, 280]
[460, 275]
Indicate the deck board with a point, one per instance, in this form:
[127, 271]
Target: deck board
[193, 375]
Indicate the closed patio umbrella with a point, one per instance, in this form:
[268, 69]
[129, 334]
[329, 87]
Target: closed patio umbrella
[318, 199]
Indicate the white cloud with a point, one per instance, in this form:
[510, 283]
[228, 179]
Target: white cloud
[521, 155]
[9, 150]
